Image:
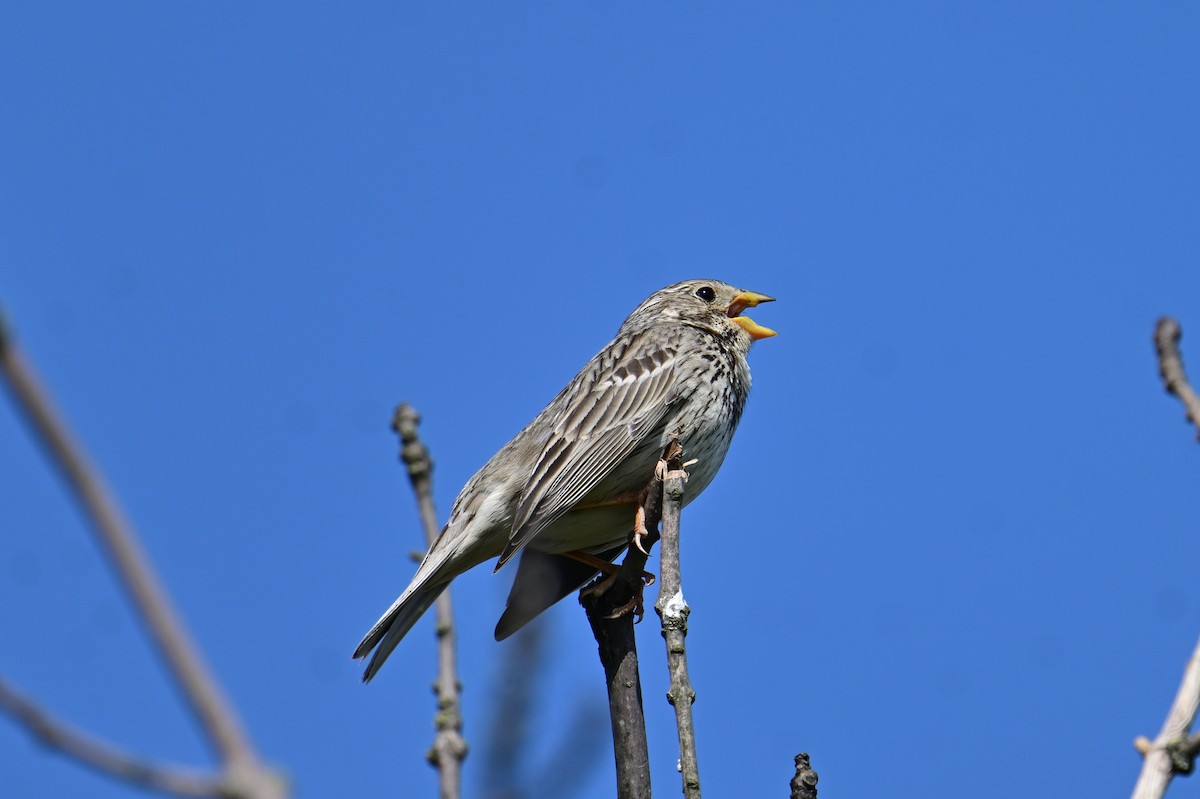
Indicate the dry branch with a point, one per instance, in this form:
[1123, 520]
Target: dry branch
[1166, 755]
[449, 748]
[673, 611]
[1172, 752]
[89, 751]
[1170, 366]
[612, 625]
[246, 776]
[804, 783]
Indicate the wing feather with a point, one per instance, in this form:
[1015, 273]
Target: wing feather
[625, 395]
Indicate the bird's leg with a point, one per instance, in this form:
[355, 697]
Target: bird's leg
[647, 497]
[635, 604]
[608, 568]
[639, 517]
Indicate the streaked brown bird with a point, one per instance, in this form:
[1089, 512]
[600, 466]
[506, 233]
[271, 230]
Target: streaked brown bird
[570, 482]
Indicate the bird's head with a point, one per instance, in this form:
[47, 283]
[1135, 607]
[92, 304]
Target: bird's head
[710, 304]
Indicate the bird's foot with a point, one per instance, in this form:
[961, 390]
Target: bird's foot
[635, 605]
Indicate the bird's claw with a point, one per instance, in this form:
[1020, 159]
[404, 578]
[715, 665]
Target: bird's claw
[635, 605]
[639, 527]
[637, 542]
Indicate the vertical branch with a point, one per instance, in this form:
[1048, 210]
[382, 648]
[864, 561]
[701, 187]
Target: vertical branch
[673, 611]
[804, 783]
[618, 654]
[119, 541]
[1172, 752]
[449, 748]
[611, 605]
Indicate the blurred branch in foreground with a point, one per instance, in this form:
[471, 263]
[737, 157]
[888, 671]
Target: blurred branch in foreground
[1172, 752]
[56, 735]
[449, 749]
[508, 737]
[244, 776]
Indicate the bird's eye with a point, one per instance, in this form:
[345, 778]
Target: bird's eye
[706, 293]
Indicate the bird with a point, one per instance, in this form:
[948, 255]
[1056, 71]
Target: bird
[564, 492]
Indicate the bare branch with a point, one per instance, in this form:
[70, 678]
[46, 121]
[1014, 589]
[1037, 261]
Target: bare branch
[117, 538]
[618, 654]
[449, 748]
[1170, 365]
[1188, 751]
[1162, 756]
[804, 784]
[673, 611]
[608, 605]
[1172, 752]
[97, 755]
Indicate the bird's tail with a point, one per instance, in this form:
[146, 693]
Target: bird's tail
[396, 622]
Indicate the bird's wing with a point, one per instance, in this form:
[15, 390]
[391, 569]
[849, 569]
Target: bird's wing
[625, 394]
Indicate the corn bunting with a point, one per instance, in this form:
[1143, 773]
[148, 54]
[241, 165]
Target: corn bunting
[569, 483]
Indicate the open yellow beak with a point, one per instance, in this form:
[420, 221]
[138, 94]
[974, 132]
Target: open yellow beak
[749, 299]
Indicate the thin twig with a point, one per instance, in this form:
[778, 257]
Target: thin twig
[59, 736]
[119, 541]
[449, 748]
[804, 783]
[673, 611]
[1170, 365]
[1172, 752]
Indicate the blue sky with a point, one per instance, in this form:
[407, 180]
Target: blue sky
[952, 539]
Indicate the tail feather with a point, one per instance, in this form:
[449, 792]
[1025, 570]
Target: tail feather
[395, 624]
[446, 560]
